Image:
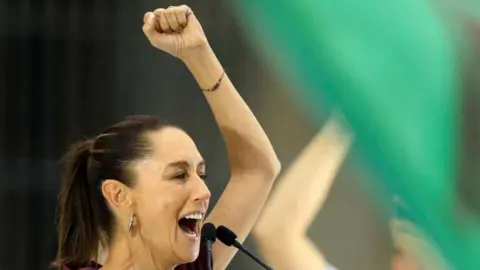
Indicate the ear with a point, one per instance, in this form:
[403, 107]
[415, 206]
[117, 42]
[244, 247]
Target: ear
[117, 194]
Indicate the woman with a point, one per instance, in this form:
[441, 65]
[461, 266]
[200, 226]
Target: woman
[137, 188]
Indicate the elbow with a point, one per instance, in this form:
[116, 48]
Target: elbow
[274, 168]
[270, 170]
[267, 169]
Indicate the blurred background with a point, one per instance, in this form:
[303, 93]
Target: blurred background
[70, 68]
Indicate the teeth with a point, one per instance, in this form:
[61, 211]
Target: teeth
[195, 216]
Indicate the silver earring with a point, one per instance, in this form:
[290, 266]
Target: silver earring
[130, 223]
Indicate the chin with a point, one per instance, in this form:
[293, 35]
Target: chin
[188, 255]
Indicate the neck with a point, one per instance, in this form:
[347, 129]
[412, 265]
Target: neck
[128, 253]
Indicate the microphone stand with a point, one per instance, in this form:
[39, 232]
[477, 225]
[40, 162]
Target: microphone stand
[209, 244]
[252, 256]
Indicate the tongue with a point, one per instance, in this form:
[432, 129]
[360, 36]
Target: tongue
[187, 225]
[186, 229]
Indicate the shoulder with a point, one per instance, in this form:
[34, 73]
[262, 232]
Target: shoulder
[199, 264]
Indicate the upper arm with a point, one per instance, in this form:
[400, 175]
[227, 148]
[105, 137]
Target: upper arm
[238, 209]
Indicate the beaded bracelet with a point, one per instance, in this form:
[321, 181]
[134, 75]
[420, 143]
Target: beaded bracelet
[216, 85]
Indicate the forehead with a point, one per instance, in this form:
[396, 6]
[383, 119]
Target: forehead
[172, 144]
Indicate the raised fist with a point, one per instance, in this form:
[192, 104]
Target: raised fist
[174, 30]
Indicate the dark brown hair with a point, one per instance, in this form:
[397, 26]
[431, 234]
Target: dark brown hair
[83, 217]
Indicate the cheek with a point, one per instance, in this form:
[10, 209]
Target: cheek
[159, 207]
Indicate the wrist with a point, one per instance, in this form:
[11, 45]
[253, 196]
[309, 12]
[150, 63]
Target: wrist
[204, 66]
[195, 54]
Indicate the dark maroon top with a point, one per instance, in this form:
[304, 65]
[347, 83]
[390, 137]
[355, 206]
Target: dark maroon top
[199, 264]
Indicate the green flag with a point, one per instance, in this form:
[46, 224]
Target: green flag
[392, 68]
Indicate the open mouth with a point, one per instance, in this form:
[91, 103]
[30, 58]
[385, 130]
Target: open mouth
[190, 224]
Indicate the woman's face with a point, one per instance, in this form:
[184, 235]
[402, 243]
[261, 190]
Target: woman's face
[170, 197]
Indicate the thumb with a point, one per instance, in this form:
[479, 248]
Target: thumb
[149, 25]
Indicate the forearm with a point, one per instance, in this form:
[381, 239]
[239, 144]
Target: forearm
[248, 147]
[283, 239]
[286, 253]
[305, 185]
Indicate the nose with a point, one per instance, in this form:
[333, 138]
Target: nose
[201, 192]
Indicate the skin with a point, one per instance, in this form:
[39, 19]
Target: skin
[169, 185]
[305, 184]
[314, 170]
[416, 253]
[169, 182]
[403, 262]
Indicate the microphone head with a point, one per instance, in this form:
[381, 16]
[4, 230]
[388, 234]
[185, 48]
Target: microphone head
[226, 236]
[208, 232]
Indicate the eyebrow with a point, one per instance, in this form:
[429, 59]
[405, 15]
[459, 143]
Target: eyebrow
[185, 164]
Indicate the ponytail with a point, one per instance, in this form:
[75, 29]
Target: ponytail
[78, 230]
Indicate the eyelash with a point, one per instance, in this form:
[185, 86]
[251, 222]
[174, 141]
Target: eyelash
[184, 175]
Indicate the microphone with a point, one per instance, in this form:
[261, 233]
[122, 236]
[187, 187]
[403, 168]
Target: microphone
[208, 236]
[229, 238]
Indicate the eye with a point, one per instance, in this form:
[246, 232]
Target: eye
[203, 176]
[182, 176]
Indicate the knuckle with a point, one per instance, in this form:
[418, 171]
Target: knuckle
[163, 20]
[170, 14]
[185, 8]
[158, 11]
[179, 11]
